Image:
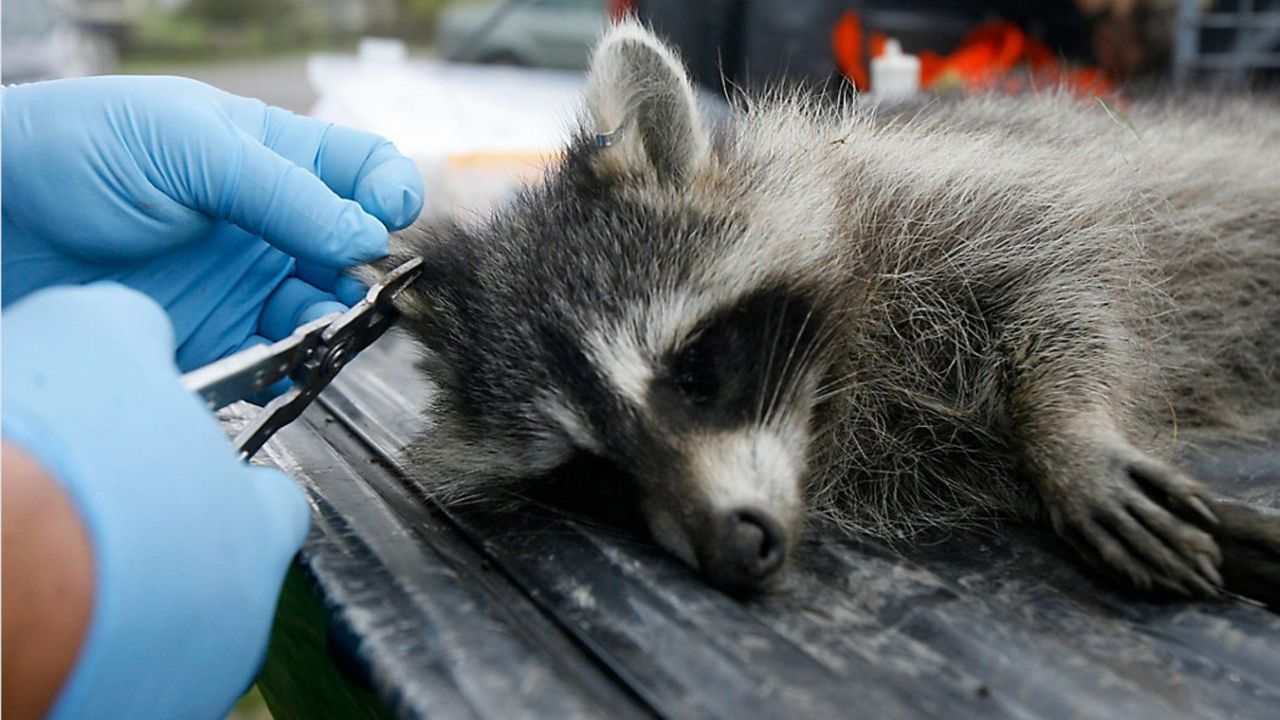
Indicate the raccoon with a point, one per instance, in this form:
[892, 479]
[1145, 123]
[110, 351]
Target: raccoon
[985, 308]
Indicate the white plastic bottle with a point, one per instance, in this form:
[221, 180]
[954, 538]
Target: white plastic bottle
[895, 75]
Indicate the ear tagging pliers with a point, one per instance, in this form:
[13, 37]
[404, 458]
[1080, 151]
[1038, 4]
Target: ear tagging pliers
[312, 357]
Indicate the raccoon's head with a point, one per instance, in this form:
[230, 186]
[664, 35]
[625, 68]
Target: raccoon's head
[637, 305]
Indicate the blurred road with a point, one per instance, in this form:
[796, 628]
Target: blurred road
[278, 81]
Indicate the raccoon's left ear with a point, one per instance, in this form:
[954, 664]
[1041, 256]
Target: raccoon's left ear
[642, 108]
[443, 248]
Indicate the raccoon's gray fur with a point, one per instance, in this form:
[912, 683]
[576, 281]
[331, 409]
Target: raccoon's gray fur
[985, 307]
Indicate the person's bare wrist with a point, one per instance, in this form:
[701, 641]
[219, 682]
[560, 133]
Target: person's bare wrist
[48, 584]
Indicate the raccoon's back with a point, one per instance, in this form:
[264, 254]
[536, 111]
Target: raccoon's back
[1174, 206]
[968, 218]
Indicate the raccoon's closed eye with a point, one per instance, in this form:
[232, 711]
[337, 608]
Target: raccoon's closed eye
[694, 372]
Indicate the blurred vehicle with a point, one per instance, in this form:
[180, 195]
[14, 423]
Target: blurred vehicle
[45, 39]
[537, 33]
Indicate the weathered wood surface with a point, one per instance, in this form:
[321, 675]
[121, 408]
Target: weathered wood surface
[399, 608]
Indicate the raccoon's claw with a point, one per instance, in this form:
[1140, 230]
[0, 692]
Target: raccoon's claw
[1139, 517]
[1169, 485]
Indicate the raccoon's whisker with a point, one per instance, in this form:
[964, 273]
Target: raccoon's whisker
[790, 385]
[783, 375]
[848, 381]
[763, 411]
[816, 351]
[815, 347]
[837, 386]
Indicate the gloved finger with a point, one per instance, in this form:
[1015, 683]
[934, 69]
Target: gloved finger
[285, 506]
[391, 190]
[279, 387]
[293, 303]
[348, 290]
[356, 165]
[370, 170]
[293, 210]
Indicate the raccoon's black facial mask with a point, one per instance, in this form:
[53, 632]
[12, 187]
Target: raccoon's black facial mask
[740, 364]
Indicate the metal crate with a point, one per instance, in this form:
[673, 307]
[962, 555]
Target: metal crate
[1230, 44]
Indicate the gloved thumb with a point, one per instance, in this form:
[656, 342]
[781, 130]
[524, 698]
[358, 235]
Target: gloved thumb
[282, 503]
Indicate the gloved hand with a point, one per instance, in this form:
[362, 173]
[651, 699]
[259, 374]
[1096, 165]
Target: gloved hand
[171, 187]
[190, 544]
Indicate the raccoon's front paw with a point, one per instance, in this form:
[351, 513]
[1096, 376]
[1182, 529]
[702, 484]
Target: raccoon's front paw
[1138, 517]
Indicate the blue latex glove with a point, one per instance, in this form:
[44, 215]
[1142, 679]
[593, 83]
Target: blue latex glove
[202, 201]
[171, 187]
[190, 544]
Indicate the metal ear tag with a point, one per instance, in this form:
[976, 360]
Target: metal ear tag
[604, 140]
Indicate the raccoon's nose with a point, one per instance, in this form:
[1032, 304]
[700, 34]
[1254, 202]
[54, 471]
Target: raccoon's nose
[752, 549]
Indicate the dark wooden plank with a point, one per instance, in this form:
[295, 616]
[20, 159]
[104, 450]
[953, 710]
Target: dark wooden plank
[694, 651]
[1158, 654]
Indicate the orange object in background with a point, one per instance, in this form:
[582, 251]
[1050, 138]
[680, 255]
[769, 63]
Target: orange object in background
[846, 46]
[994, 54]
[988, 52]
[619, 9]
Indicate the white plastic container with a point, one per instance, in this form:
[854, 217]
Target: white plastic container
[895, 75]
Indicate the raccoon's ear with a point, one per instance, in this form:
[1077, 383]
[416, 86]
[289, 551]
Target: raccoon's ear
[400, 251]
[443, 264]
[642, 107]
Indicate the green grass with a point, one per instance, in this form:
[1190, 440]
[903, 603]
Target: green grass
[250, 707]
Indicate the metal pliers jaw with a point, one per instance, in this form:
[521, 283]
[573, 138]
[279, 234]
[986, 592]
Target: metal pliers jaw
[312, 357]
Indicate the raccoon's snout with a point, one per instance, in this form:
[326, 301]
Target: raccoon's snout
[746, 548]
